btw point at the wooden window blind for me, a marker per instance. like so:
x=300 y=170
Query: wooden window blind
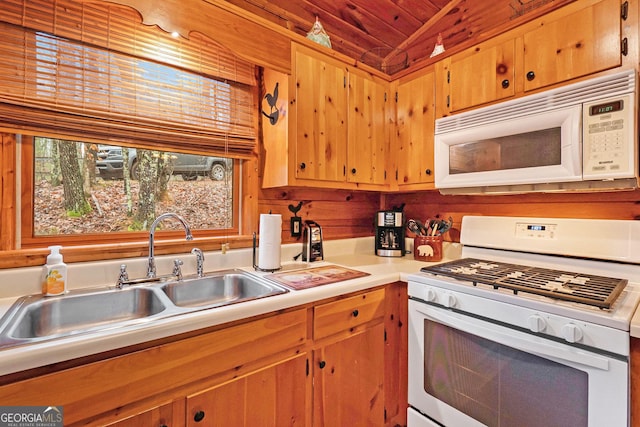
x=94 y=71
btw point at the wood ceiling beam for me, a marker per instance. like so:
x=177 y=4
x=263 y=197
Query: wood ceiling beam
x=426 y=26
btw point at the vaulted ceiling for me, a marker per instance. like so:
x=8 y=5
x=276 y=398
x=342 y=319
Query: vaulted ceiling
x=393 y=34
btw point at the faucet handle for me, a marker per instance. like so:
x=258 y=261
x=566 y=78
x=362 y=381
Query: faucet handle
x=177 y=271
x=123 y=277
x=199 y=261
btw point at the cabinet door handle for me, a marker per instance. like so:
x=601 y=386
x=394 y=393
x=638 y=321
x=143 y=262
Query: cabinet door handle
x=353 y=170
x=199 y=416
x=531 y=75
x=322 y=364
x=303 y=165
x=505 y=84
x=427 y=172
x=355 y=312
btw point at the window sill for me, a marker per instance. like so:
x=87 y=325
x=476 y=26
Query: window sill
x=101 y=252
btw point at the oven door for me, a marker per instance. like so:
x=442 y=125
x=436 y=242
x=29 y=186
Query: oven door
x=465 y=371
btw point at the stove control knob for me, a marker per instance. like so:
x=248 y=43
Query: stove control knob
x=449 y=301
x=431 y=295
x=537 y=323
x=571 y=333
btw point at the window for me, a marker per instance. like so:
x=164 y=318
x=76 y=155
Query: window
x=110 y=184
x=158 y=125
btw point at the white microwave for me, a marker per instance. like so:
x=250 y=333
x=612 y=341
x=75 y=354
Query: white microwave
x=577 y=137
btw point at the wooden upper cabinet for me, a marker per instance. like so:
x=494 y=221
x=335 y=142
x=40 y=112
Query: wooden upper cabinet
x=331 y=129
x=575 y=45
x=321 y=117
x=368 y=134
x=415 y=130
x=575 y=41
x=482 y=74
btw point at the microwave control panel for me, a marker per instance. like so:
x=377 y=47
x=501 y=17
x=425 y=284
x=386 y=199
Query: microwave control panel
x=608 y=129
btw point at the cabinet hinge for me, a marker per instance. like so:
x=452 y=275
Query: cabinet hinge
x=448 y=76
x=396 y=97
x=396 y=174
x=385 y=335
x=385 y=97
x=307 y=368
x=624 y=10
x=448 y=101
x=385 y=175
x=344 y=170
x=624 y=46
x=344 y=81
x=385 y=415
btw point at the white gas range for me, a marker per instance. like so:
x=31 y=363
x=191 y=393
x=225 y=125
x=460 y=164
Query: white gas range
x=535 y=307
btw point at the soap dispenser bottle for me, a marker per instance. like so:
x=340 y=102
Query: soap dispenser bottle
x=54 y=275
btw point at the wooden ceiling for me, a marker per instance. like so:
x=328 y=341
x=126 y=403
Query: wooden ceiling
x=394 y=34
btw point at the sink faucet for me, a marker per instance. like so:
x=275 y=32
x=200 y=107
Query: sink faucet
x=151 y=267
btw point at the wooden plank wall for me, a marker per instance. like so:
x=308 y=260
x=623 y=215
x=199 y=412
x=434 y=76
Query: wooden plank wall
x=340 y=213
x=345 y=214
x=429 y=204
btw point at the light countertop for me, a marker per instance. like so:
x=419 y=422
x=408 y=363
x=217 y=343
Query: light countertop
x=352 y=253
x=635 y=324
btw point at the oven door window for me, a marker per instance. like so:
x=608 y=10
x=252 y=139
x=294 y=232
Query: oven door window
x=498 y=385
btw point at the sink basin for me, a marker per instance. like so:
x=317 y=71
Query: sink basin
x=36 y=318
x=40 y=317
x=223 y=289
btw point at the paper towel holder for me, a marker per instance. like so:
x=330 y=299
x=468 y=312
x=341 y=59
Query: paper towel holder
x=255 y=264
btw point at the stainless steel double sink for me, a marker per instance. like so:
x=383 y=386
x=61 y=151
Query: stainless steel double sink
x=36 y=318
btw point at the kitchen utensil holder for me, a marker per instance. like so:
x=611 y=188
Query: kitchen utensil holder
x=427 y=248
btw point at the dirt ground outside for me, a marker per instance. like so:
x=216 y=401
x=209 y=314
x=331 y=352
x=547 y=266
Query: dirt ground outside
x=204 y=203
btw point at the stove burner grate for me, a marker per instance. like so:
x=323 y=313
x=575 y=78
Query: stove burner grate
x=583 y=288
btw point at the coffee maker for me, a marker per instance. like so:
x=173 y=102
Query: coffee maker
x=312 y=242
x=390 y=233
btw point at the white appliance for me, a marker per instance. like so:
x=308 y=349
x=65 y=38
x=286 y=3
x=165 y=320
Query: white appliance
x=577 y=137
x=530 y=327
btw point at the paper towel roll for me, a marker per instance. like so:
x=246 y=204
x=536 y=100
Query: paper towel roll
x=270 y=240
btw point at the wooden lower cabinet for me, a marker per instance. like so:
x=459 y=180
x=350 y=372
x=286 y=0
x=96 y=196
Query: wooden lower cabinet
x=338 y=362
x=167 y=415
x=635 y=381
x=271 y=397
x=348 y=380
x=349 y=360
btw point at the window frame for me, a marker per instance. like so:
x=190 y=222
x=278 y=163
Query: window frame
x=28 y=240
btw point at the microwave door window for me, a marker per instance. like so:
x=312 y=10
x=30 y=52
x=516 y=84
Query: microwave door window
x=521 y=151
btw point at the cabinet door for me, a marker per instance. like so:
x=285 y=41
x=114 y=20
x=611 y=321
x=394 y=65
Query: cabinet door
x=321 y=118
x=368 y=135
x=274 y=396
x=576 y=45
x=162 y=416
x=347 y=381
x=415 y=127
x=481 y=75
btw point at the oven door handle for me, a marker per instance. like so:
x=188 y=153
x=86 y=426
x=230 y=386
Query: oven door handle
x=518 y=340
